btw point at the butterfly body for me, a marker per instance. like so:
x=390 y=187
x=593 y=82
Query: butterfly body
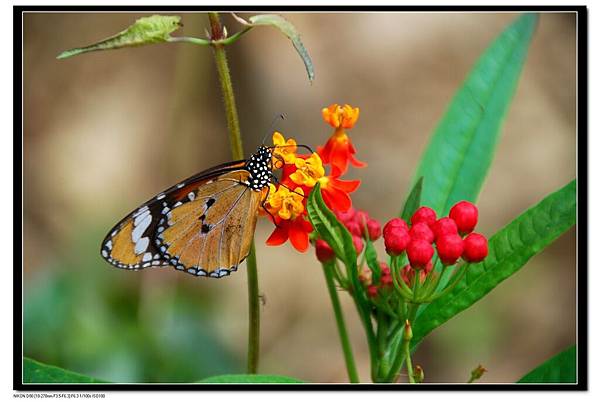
x=203 y=226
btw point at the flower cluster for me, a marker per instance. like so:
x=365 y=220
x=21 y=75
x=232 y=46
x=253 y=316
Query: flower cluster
x=286 y=201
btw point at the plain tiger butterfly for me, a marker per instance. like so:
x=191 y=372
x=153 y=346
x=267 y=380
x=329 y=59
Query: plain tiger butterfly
x=203 y=226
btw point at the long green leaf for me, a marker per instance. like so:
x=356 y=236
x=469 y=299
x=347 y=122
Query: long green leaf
x=509 y=250
x=40 y=373
x=413 y=201
x=329 y=228
x=144 y=31
x=461 y=149
x=286 y=28
x=250 y=379
x=558 y=369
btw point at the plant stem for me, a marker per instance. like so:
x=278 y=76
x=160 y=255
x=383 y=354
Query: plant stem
x=409 y=367
x=237 y=151
x=339 y=318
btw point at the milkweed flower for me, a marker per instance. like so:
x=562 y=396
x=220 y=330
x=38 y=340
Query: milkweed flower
x=339 y=150
x=286 y=150
x=336 y=192
x=287 y=210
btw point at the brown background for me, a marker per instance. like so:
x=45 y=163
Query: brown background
x=105 y=131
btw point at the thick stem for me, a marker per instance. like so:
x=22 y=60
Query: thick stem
x=237 y=151
x=339 y=318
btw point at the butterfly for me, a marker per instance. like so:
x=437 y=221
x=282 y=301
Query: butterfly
x=203 y=226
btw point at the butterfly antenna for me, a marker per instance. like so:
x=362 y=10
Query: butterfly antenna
x=272 y=126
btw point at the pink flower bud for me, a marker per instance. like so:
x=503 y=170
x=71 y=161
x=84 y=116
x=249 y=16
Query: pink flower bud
x=396 y=222
x=450 y=248
x=354 y=228
x=444 y=226
x=421 y=231
x=396 y=240
x=419 y=253
x=475 y=248
x=373 y=229
x=358 y=244
x=372 y=291
x=425 y=215
x=324 y=251
x=465 y=215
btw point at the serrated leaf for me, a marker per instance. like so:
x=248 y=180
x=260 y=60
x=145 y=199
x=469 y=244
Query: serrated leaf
x=250 y=379
x=413 y=201
x=458 y=157
x=558 y=369
x=144 y=31
x=286 y=28
x=40 y=373
x=509 y=251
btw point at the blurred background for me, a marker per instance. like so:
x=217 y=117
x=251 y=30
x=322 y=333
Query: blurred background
x=106 y=131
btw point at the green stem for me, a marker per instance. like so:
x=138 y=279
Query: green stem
x=409 y=367
x=341 y=326
x=237 y=151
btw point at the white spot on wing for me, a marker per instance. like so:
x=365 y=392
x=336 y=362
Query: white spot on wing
x=160 y=196
x=109 y=244
x=147 y=256
x=104 y=253
x=140 y=227
x=141 y=245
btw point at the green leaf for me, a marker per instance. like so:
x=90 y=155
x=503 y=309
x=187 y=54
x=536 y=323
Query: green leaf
x=144 y=31
x=372 y=261
x=509 y=250
x=286 y=28
x=413 y=201
x=461 y=149
x=36 y=372
x=558 y=369
x=329 y=228
x=250 y=379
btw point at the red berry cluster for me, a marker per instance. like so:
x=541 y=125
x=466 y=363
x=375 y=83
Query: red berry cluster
x=452 y=236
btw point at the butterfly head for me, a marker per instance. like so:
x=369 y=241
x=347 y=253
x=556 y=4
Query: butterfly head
x=259 y=167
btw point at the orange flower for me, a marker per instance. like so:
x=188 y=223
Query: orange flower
x=340 y=116
x=339 y=149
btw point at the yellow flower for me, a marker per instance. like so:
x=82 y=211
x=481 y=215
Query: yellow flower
x=286 y=203
x=308 y=171
x=284 y=150
x=340 y=116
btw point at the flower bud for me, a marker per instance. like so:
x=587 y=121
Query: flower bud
x=365 y=276
x=419 y=374
x=421 y=231
x=444 y=226
x=345 y=216
x=361 y=218
x=449 y=247
x=372 y=291
x=419 y=253
x=396 y=222
x=324 y=251
x=475 y=248
x=408 y=334
x=373 y=230
x=396 y=240
x=425 y=215
x=386 y=280
x=465 y=215
x=358 y=244
x=385 y=269
x=354 y=228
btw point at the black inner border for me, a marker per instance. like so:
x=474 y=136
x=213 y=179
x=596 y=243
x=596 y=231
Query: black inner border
x=582 y=197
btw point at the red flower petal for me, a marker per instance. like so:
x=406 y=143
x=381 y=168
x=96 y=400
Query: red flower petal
x=279 y=236
x=336 y=199
x=346 y=186
x=298 y=237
